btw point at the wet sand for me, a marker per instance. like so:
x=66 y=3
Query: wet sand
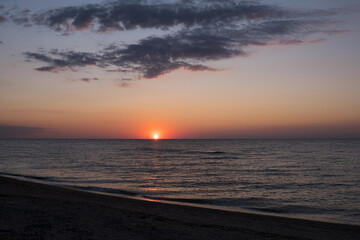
x=37 y=211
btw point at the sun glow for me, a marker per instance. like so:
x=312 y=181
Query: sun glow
x=156 y=136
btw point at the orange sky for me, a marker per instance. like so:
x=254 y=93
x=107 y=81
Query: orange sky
x=308 y=89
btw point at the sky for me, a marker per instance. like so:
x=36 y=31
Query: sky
x=182 y=69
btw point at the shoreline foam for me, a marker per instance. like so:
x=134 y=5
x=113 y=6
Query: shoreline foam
x=34 y=211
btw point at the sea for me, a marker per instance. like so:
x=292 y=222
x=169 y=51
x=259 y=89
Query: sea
x=309 y=178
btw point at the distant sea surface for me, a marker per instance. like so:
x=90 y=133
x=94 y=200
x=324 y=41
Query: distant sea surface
x=316 y=179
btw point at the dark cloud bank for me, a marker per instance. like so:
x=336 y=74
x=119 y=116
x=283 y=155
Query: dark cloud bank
x=7 y=131
x=209 y=30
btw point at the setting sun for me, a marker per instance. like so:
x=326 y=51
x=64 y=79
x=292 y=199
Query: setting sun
x=156 y=136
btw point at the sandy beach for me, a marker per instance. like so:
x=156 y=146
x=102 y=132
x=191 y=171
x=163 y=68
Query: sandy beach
x=38 y=211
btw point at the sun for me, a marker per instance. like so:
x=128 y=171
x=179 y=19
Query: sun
x=156 y=136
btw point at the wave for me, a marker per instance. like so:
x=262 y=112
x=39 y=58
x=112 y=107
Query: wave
x=219 y=158
x=29 y=176
x=164 y=150
x=174 y=150
x=214 y=152
x=295 y=209
x=183 y=200
x=106 y=190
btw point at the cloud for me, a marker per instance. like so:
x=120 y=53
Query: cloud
x=86 y=79
x=2 y=19
x=209 y=30
x=127 y=15
x=70 y=60
x=7 y=131
x=188 y=49
x=346 y=130
x=25 y=11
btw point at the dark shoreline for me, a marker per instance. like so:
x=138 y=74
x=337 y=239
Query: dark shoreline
x=198 y=203
x=36 y=211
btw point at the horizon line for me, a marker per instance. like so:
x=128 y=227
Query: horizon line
x=265 y=138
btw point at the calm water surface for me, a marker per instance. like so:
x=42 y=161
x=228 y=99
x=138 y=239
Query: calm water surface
x=305 y=178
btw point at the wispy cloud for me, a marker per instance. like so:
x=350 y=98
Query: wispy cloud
x=209 y=30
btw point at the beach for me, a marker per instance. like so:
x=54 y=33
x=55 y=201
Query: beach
x=39 y=211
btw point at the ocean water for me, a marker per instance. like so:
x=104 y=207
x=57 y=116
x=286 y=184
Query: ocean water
x=317 y=179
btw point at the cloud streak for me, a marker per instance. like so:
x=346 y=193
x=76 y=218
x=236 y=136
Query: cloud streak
x=209 y=30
